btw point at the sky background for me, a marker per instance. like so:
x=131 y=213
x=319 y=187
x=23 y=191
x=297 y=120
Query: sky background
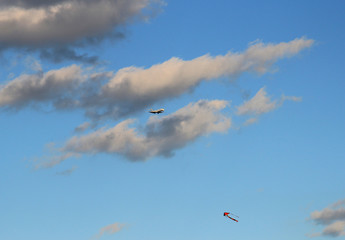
x=264 y=139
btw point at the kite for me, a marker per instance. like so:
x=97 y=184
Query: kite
x=226 y=214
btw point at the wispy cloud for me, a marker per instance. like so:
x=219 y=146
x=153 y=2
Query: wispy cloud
x=52 y=160
x=133 y=89
x=161 y=136
x=82 y=127
x=110 y=229
x=251 y=121
x=332 y=217
x=59 y=54
x=338 y=204
x=260 y=104
x=67 y=172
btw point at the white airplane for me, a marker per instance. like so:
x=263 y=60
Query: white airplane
x=156 y=111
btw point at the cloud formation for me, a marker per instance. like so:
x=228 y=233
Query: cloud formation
x=176 y=76
x=328 y=215
x=29 y=3
x=110 y=229
x=133 y=89
x=260 y=104
x=63 y=88
x=67 y=172
x=161 y=136
x=82 y=127
x=59 y=54
x=40 y=87
x=41 y=24
x=37 y=23
x=335 y=229
x=333 y=218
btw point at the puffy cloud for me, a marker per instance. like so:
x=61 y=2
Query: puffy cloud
x=34 y=23
x=40 y=87
x=333 y=218
x=175 y=76
x=133 y=89
x=161 y=136
x=64 y=88
x=30 y=3
x=335 y=229
x=328 y=215
x=57 y=27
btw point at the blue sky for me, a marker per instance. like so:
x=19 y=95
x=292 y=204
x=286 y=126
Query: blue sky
x=253 y=124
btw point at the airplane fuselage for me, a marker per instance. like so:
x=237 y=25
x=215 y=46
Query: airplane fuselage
x=157 y=111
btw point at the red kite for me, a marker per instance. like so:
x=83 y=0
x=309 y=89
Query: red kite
x=226 y=214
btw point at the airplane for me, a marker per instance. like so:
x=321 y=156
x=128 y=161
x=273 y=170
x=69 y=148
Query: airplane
x=156 y=111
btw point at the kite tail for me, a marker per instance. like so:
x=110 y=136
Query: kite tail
x=233 y=219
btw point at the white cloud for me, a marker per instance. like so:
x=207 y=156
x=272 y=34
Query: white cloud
x=133 y=89
x=136 y=88
x=335 y=229
x=161 y=136
x=59 y=29
x=333 y=218
x=176 y=76
x=40 y=87
x=258 y=105
x=328 y=215
x=25 y=23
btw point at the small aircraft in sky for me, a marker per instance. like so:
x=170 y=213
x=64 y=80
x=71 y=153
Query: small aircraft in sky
x=157 y=111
